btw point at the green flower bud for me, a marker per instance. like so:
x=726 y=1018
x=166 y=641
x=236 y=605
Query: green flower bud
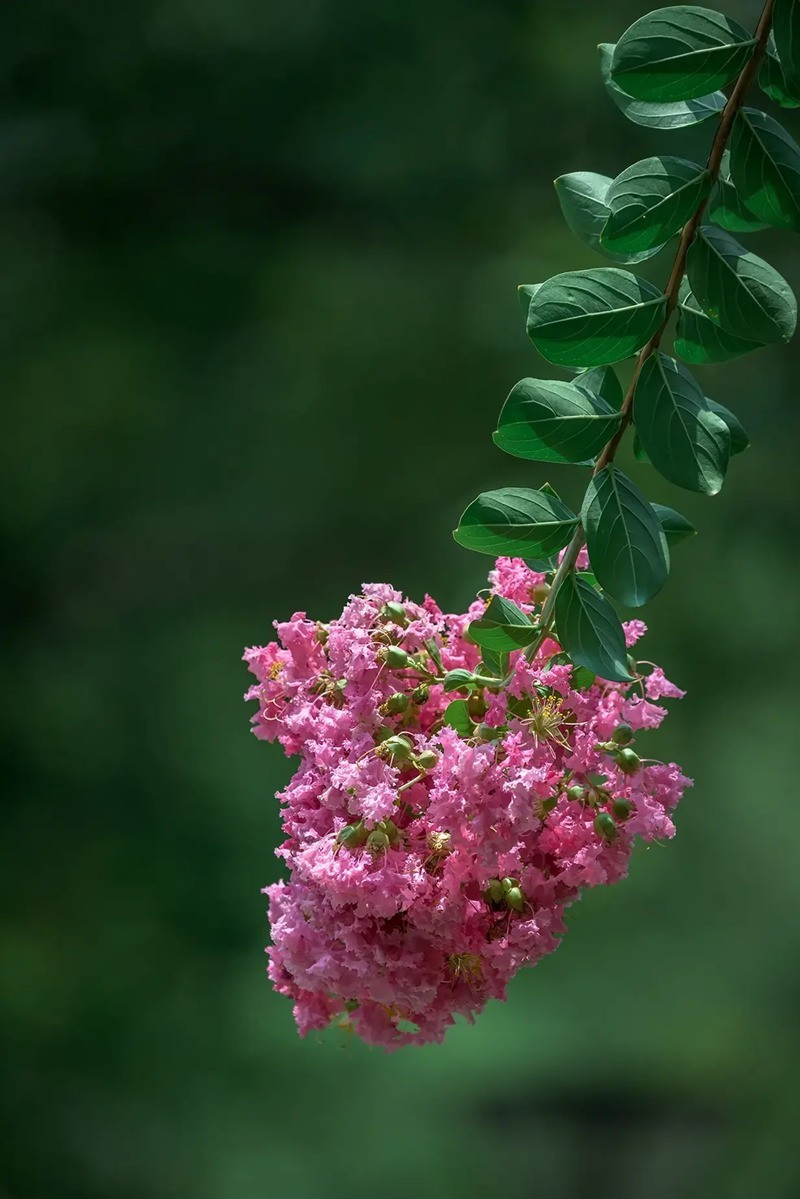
x=396 y=749
x=383 y=734
x=350 y=1005
x=378 y=842
x=540 y=592
x=395 y=704
x=515 y=899
x=623 y=734
x=494 y=892
x=604 y=826
x=508 y=884
x=576 y=793
x=628 y=761
x=352 y=836
x=321 y=633
x=421 y=694
x=390 y=828
x=477 y=706
x=427 y=760
x=396 y=613
x=622 y=808
x=395 y=657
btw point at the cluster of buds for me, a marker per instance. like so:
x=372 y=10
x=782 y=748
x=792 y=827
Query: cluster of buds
x=444 y=813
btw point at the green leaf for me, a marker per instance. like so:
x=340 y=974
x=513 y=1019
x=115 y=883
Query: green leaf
x=786 y=30
x=458 y=680
x=676 y=527
x=516 y=521
x=773 y=79
x=739 y=438
x=590 y=631
x=503 y=627
x=739 y=290
x=765 y=167
x=525 y=293
x=547 y=420
x=602 y=381
x=494 y=662
x=582 y=678
x=594 y=317
x=457 y=716
x=626 y=544
x=685 y=441
x=727 y=208
x=651 y=201
x=639 y=452
x=581 y=195
x=679 y=53
x=699 y=340
x=676 y=115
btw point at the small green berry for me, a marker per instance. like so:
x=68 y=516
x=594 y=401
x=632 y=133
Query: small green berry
x=378 y=842
x=540 y=592
x=604 y=826
x=622 y=808
x=577 y=793
x=508 y=884
x=395 y=657
x=494 y=892
x=421 y=694
x=515 y=899
x=396 y=749
x=477 y=706
x=395 y=704
x=427 y=760
x=396 y=613
x=628 y=761
x=623 y=734
x=352 y=836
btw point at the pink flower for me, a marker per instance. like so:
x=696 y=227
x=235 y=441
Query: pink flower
x=428 y=863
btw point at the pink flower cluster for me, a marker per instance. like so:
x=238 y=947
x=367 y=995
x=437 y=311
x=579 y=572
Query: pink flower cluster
x=429 y=862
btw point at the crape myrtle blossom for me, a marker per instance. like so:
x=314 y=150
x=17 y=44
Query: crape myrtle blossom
x=435 y=834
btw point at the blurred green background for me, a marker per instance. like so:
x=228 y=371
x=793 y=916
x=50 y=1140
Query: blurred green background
x=259 y=264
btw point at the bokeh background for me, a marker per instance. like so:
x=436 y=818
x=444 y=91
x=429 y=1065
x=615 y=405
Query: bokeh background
x=258 y=278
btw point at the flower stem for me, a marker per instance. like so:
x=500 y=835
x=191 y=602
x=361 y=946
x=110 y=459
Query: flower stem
x=729 y=113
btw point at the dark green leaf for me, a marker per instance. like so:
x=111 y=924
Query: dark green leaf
x=773 y=79
x=651 y=201
x=727 y=208
x=765 y=167
x=594 y=317
x=457 y=716
x=581 y=195
x=739 y=290
x=516 y=521
x=547 y=420
x=786 y=28
x=639 y=452
x=679 y=53
x=582 y=678
x=494 y=662
x=503 y=627
x=699 y=340
x=602 y=381
x=686 y=442
x=459 y=680
x=626 y=544
x=525 y=293
x=676 y=527
x=676 y=115
x=739 y=439
x=590 y=631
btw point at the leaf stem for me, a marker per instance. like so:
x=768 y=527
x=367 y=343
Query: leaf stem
x=729 y=114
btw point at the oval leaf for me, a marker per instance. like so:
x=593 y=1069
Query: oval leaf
x=651 y=201
x=590 y=631
x=686 y=442
x=676 y=115
x=602 y=381
x=699 y=340
x=739 y=438
x=581 y=195
x=589 y=318
x=765 y=167
x=626 y=544
x=457 y=716
x=676 y=527
x=739 y=290
x=727 y=208
x=503 y=627
x=546 y=420
x=516 y=521
x=786 y=30
x=680 y=52
x=773 y=79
